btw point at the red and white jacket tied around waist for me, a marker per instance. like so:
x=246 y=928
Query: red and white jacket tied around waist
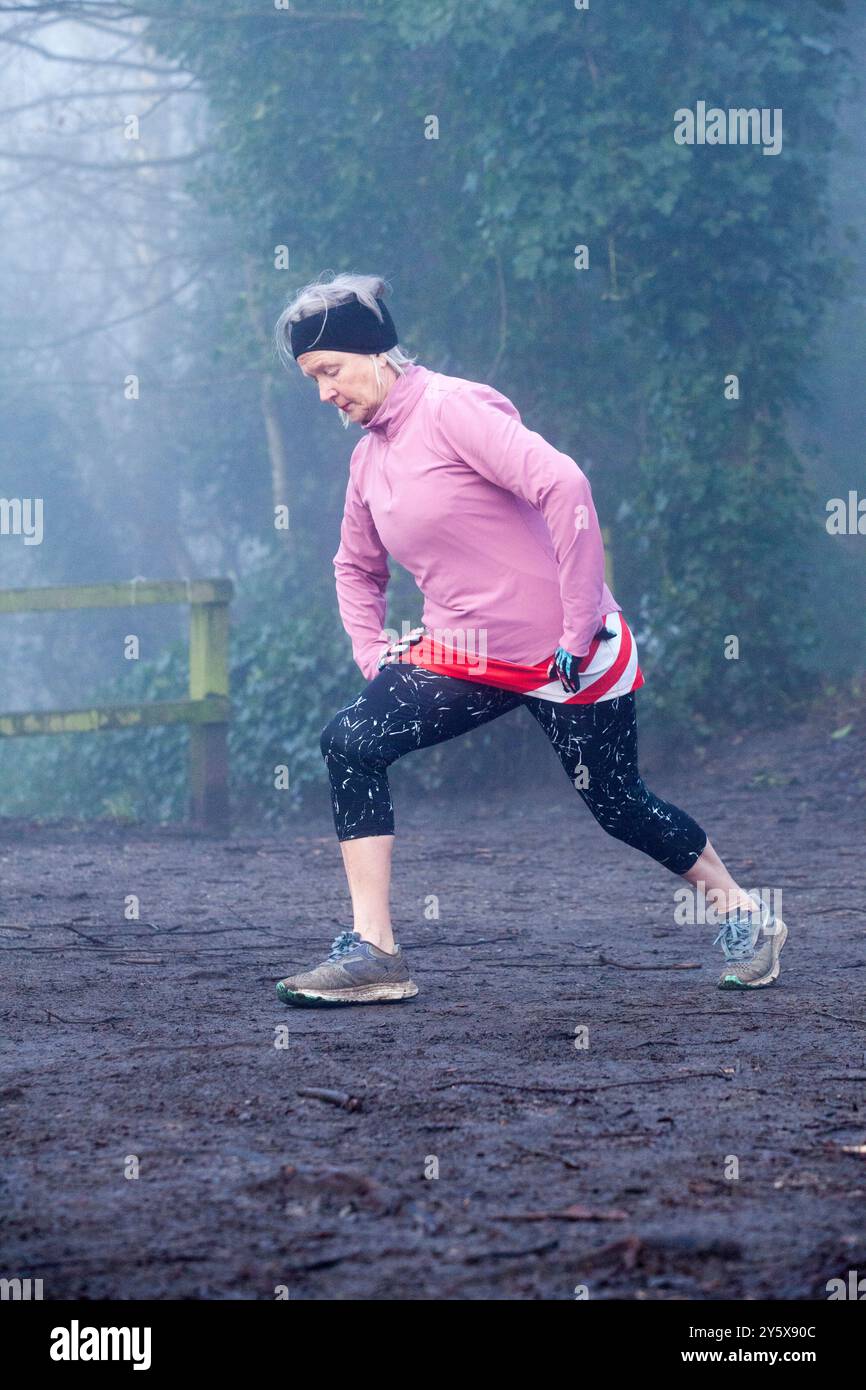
x=499 y=531
x=610 y=668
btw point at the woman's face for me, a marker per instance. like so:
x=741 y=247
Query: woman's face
x=347 y=380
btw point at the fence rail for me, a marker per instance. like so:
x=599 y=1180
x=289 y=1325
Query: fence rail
x=208 y=709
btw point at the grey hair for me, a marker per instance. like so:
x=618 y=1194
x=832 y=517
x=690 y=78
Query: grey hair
x=327 y=294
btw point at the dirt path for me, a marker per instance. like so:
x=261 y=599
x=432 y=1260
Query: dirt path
x=156 y=1039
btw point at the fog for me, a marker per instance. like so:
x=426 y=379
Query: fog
x=147 y=427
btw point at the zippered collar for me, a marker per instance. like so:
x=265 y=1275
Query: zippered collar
x=399 y=403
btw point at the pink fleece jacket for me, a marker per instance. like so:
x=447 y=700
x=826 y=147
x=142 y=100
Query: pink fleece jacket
x=496 y=526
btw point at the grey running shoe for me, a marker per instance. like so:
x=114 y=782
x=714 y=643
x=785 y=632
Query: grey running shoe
x=356 y=972
x=752 y=943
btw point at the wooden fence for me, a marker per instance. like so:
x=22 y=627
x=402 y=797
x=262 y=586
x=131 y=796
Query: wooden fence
x=207 y=710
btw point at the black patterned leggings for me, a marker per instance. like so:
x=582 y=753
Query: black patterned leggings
x=405 y=707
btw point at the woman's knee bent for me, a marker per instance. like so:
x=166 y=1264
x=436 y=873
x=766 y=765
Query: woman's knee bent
x=634 y=815
x=350 y=741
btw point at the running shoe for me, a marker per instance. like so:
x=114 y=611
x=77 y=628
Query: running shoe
x=752 y=943
x=355 y=972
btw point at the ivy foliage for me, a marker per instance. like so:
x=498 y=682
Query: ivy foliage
x=555 y=130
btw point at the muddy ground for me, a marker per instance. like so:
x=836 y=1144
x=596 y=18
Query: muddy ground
x=153 y=1042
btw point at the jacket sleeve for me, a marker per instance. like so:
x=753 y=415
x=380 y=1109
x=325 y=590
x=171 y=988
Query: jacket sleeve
x=362 y=574
x=483 y=427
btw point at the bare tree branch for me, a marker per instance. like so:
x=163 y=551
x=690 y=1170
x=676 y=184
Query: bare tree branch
x=123 y=165
x=7 y=189
x=79 y=9
x=101 y=325
x=86 y=62
x=67 y=97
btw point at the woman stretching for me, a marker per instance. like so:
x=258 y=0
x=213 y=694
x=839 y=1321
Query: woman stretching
x=500 y=532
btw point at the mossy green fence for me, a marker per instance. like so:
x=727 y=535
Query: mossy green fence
x=207 y=710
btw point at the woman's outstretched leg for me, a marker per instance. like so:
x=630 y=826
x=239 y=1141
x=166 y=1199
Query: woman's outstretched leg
x=597 y=746
x=710 y=874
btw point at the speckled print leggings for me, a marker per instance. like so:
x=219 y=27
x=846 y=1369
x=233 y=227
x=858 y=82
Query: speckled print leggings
x=405 y=707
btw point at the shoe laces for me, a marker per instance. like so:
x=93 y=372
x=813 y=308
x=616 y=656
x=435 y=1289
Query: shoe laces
x=342 y=944
x=736 y=935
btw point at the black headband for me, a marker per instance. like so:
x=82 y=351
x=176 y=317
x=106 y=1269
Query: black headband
x=349 y=327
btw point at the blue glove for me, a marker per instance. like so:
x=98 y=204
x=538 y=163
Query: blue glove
x=565 y=665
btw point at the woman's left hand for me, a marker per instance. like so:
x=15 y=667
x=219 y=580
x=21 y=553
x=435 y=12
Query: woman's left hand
x=565 y=666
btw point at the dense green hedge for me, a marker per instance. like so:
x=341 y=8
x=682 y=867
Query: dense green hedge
x=556 y=130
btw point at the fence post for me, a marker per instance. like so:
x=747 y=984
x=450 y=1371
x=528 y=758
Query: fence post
x=208 y=745
x=608 y=557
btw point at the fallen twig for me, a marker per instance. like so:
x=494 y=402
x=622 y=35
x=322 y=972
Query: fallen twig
x=324 y=1262
x=621 y=965
x=194 y=1047
x=340 y=1098
x=575 y=1212
x=112 y=1018
x=478 y=1256
x=580 y=1090
x=544 y=1153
